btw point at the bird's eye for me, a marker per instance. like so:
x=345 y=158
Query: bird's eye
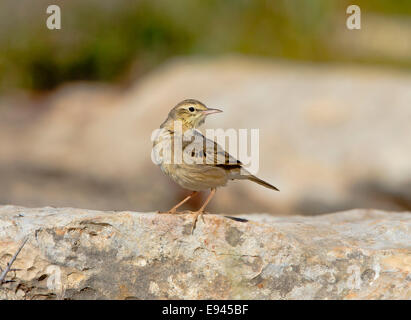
x=191 y=109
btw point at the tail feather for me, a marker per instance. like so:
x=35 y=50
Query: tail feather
x=261 y=182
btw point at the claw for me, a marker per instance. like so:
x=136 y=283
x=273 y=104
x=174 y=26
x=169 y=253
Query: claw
x=196 y=215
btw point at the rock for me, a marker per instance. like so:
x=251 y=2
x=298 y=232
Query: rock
x=84 y=254
x=324 y=131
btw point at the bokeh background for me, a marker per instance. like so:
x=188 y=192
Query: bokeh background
x=78 y=105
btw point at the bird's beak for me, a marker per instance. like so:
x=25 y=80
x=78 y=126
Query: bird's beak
x=211 y=111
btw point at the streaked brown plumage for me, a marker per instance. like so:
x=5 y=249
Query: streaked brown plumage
x=205 y=164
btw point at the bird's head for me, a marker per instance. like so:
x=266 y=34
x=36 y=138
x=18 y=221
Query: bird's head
x=190 y=112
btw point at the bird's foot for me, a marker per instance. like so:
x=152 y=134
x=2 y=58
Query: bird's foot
x=196 y=215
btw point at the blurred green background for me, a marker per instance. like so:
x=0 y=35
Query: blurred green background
x=113 y=40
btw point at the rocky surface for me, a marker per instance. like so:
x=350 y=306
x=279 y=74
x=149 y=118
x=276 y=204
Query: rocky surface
x=332 y=138
x=83 y=254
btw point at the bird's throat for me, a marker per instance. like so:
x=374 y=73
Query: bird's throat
x=179 y=125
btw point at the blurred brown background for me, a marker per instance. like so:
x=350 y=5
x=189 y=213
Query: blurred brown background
x=78 y=105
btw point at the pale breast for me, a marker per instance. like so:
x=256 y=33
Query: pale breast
x=196 y=177
x=187 y=170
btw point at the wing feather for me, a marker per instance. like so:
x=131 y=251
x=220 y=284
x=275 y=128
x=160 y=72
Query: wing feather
x=202 y=150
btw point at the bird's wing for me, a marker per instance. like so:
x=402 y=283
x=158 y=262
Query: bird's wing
x=208 y=152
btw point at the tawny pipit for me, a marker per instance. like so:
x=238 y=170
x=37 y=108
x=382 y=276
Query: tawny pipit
x=203 y=164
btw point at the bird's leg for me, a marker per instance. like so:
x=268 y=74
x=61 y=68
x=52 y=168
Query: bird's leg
x=200 y=212
x=174 y=209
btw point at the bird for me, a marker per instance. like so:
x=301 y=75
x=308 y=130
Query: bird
x=203 y=164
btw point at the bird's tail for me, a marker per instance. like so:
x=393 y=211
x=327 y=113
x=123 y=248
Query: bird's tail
x=261 y=182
